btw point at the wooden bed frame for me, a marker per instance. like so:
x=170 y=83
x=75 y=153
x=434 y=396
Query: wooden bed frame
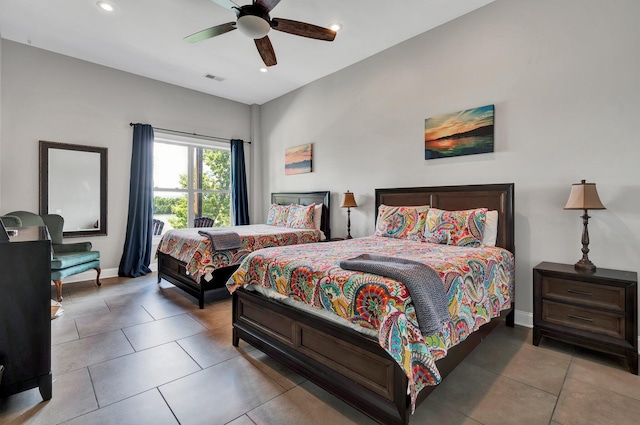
x=174 y=271
x=344 y=362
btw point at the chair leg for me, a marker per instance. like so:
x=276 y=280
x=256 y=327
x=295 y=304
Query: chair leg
x=58 y=289
x=98 y=277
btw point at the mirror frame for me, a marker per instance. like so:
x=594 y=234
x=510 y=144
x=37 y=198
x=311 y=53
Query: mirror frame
x=44 y=184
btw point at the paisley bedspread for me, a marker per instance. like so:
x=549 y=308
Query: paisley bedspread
x=478 y=283
x=195 y=250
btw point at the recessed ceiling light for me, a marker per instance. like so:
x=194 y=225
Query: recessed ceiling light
x=263 y=69
x=108 y=7
x=336 y=26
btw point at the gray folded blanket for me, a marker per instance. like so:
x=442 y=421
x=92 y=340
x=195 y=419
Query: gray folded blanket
x=424 y=285
x=222 y=240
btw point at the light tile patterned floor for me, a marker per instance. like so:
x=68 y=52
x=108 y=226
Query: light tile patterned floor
x=135 y=352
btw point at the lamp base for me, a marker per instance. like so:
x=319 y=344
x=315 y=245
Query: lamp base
x=585 y=266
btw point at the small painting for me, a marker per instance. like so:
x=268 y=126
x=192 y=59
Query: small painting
x=460 y=133
x=297 y=160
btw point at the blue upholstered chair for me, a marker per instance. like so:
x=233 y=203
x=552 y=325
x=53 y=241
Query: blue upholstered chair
x=67 y=259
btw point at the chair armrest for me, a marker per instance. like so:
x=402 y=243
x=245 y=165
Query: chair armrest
x=72 y=247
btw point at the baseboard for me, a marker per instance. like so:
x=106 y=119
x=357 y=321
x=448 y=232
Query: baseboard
x=104 y=273
x=523 y=318
x=90 y=275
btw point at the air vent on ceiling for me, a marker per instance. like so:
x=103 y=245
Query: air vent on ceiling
x=214 y=77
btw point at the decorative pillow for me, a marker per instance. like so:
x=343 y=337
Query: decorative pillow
x=401 y=222
x=460 y=228
x=301 y=217
x=278 y=215
x=317 y=216
x=490 y=233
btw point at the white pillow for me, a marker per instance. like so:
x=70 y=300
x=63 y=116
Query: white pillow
x=317 y=216
x=490 y=232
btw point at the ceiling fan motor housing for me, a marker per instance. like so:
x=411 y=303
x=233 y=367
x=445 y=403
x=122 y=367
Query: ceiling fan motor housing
x=254 y=21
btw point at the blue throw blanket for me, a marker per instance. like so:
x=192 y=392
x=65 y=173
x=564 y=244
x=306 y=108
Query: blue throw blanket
x=424 y=285
x=222 y=240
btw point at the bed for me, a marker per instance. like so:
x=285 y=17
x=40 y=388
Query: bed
x=351 y=364
x=199 y=271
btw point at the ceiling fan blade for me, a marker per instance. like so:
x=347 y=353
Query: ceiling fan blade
x=266 y=51
x=303 y=29
x=268 y=4
x=211 y=32
x=227 y=4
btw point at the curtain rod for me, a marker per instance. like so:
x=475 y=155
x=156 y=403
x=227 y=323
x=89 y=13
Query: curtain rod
x=191 y=134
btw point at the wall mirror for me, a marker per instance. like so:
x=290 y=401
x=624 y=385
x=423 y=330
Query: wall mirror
x=73 y=184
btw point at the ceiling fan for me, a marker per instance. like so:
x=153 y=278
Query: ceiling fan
x=255 y=22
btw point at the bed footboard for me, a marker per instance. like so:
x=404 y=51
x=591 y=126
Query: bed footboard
x=351 y=366
x=174 y=271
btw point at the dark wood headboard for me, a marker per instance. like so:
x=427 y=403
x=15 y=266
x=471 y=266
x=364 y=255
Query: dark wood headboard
x=308 y=198
x=492 y=196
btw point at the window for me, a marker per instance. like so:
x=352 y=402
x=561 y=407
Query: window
x=191 y=179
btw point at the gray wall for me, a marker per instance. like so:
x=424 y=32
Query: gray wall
x=563 y=76
x=46 y=96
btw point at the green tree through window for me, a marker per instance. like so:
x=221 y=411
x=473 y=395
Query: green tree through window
x=210 y=190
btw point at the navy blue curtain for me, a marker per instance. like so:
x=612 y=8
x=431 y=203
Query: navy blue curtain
x=239 y=196
x=137 y=246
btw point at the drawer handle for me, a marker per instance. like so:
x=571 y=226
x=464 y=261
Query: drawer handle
x=586 y=319
x=574 y=291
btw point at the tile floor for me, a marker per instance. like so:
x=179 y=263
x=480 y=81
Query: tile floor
x=135 y=352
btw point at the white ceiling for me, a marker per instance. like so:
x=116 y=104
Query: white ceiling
x=145 y=37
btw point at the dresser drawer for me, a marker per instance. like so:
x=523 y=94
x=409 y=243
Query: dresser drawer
x=583 y=293
x=600 y=322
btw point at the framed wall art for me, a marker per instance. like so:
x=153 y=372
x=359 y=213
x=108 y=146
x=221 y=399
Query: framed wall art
x=298 y=159
x=460 y=133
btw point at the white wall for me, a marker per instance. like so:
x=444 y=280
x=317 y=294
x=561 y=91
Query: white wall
x=46 y=96
x=564 y=80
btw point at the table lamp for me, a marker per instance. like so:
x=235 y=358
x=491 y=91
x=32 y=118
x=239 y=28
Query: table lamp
x=349 y=202
x=584 y=196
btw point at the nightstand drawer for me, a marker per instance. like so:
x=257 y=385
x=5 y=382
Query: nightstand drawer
x=600 y=322
x=584 y=293
x=596 y=310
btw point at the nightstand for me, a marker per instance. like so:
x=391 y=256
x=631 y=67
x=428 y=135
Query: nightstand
x=594 y=310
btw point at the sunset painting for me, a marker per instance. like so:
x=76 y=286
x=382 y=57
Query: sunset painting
x=460 y=133
x=297 y=160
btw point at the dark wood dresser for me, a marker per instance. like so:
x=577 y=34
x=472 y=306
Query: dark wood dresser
x=25 y=312
x=594 y=310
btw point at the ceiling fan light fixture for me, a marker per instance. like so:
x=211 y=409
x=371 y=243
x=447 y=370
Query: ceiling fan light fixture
x=336 y=26
x=253 y=26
